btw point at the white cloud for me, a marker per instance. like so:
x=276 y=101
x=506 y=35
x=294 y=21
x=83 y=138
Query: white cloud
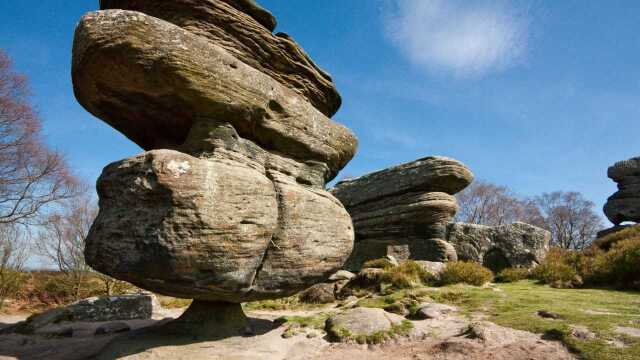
x=457 y=37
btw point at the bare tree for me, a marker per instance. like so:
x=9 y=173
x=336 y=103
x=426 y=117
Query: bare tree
x=14 y=253
x=61 y=239
x=570 y=218
x=488 y=204
x=31 y=175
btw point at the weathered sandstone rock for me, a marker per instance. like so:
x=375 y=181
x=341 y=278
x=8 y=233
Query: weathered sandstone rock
x=227 y=205
x=225 y=24
x=430 y=174
x=361 y=322
x=403 y=211
x=624 y=205
x=188 y=231
x=95 y=309
x=153 y=80
x=498 y=247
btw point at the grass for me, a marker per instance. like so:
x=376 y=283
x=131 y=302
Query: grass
x=516 y=305
x=377 y=337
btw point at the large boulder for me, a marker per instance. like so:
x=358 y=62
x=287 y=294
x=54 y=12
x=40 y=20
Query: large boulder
x=228 y=203
x=95 y=309
x=624 y=205
x=403 y=211
x=499 y=247
x=237 y=28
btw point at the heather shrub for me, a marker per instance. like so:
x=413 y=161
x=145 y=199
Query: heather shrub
x=558 y=269
x=620 y=266
x=513 y=274
x=470 y=273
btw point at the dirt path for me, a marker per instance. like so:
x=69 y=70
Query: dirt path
x=448 y=338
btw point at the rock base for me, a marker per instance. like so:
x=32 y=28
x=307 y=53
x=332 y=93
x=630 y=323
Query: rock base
x=202 y=321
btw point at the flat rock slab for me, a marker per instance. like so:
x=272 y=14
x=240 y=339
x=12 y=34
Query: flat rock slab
x=430 y=174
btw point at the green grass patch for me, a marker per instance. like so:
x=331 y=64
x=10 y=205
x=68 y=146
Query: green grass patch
x=516 y=304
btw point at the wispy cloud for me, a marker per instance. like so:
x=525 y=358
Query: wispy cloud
x=461 y=38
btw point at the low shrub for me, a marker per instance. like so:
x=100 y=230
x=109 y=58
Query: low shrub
x=620 y=266
x=558 y=269
x=462 y=272
x=606 y=242
x=513 y=274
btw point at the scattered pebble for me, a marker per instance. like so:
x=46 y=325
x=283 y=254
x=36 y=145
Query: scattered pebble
x=549 y=315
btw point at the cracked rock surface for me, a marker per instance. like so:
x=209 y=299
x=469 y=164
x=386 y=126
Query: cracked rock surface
x=227 y=204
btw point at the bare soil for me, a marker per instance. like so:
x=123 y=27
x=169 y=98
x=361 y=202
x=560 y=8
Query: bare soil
x=447 y=338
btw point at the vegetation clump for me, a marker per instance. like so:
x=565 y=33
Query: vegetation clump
x=619 y=266
x=462 y=272
x=513 y=274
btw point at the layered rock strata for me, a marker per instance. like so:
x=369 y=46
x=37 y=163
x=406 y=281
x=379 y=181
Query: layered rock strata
x=404 y=210
x=624 y=205
x=499 y=247
x=227 y=204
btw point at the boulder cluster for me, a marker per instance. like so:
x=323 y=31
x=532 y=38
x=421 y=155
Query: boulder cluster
x=624 y=205
x=500 y=247
x=403 y=211
x=227 y=203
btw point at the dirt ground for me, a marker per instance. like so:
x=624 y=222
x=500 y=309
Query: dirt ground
x=448 y=338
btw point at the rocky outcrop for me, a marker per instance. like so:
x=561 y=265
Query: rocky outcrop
x=624 y=205
x=499 y=247
x=227 y=204
x=403 y=211
x=95 y=309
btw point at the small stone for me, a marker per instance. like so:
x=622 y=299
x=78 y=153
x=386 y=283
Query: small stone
x=549 y=315
x=434 y=311
x=322 y=293
x=582 y=333
x=397 y=308
x=342 y=275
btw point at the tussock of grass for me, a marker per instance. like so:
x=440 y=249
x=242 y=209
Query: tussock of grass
x=377 y=264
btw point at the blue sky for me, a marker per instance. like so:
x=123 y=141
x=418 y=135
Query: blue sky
x=536 y=95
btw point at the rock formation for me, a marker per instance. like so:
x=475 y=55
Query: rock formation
x=624 y=205
x=404 y=210
x=227 y=204
x=499 y=247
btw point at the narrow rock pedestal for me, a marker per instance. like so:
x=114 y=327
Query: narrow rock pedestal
x=203 y=321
